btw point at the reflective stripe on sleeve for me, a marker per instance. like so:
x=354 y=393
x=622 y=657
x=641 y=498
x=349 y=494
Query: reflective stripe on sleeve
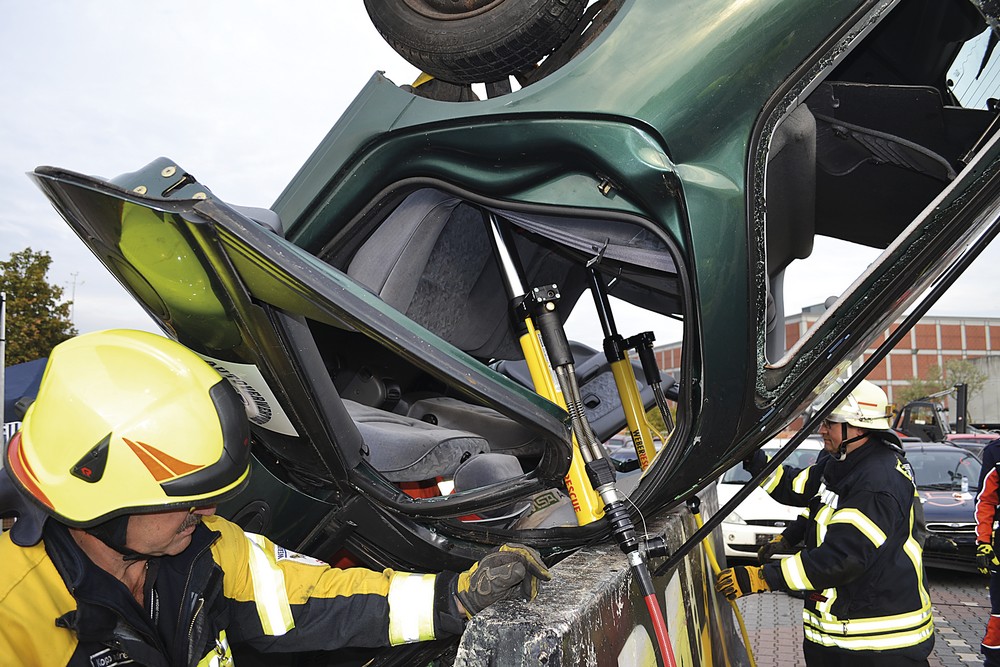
x=799 y=483
x=822 y=521
x=411 y=607
x=771 y=483
x=795 y=574
x=855 y=517
x=269 y=589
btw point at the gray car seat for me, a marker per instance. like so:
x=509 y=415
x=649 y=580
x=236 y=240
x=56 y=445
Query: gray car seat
x=404 y=449
x=504 y=435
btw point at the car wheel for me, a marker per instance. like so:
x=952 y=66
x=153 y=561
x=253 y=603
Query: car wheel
x=474 y=41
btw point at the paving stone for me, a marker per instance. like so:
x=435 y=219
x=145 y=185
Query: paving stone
x=960 y=604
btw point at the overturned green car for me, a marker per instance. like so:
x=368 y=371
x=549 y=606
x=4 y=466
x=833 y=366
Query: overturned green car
x=679 y=157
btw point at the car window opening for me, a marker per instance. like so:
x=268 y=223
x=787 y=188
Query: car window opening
x=435 y=258
x=856 y=162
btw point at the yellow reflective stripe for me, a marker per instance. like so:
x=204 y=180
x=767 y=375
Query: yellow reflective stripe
x=269 y=589
x=795 y=574
x=913 y=551
x=411 y=607
x=823 y=516
x=220 y=656
x=855 y=517
x=880 y=642
x=799 y=483
x=771 y=483
x=857 y=626
x=825 y=606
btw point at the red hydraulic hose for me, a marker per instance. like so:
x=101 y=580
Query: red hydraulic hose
x=645 y=582
x=660 y=630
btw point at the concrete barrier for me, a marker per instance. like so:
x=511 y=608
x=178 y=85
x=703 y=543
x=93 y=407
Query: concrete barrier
x=591 y=613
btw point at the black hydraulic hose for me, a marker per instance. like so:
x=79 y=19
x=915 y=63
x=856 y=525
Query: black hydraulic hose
x=542 y=302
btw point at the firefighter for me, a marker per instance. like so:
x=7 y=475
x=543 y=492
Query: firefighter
x=986 y=536
x=117 y=556
x=866 y=602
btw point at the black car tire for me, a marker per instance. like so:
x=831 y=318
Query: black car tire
x=485 y=44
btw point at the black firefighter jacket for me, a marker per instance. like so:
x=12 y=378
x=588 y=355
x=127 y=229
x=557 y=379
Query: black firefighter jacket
x=862 y=558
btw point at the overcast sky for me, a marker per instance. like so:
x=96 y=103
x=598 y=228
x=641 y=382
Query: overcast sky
x=237 y=92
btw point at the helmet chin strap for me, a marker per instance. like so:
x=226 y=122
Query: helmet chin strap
x=113 y=533
x=845 y=441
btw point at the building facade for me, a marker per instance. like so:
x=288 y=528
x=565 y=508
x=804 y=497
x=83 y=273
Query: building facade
x=932 y=342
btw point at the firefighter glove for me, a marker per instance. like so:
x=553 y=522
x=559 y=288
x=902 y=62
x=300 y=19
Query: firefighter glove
x=511 y=572
x=986 y=558
x=777 y=545
x=735 y=582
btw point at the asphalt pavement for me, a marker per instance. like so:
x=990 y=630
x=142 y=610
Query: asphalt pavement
x=960 y=602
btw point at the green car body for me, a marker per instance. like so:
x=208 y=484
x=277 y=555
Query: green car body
x=661 y=129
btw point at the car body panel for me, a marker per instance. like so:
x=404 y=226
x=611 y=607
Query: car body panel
x=682 y=167
x=668 y=146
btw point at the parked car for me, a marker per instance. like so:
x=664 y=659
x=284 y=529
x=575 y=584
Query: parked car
x=973 y=442
x=947 y=479
x=759 y=518
x=679 y=157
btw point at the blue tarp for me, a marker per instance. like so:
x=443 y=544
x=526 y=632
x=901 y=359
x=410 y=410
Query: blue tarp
x=20 y=380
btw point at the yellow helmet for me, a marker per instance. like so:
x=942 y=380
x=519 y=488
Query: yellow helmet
x=129 y=422
x=865 y=407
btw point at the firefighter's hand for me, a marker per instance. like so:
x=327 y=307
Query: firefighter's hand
x=777 y=545
x=735 y=582
x=986 y=558
x=511 y=572
x=755 y=462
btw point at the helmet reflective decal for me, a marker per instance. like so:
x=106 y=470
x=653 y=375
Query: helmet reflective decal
x=22 y=472
x=161 y=466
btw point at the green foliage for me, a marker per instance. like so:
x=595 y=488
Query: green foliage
x=922 y=387
x=956 y=371
x=963 y=371
x=36 y=320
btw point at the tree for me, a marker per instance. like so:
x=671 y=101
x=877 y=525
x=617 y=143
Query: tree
x=922 y=387
x=963 y=371
x=36 y=320
x=956 y=371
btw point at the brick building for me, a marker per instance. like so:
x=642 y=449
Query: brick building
x=932 y=342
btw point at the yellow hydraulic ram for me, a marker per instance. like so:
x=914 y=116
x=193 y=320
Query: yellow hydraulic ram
x=587 y=505
x=616 y=351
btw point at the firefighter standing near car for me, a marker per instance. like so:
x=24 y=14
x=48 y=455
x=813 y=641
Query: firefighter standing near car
x=117 y=556
x=862 y=564
x=986 y=536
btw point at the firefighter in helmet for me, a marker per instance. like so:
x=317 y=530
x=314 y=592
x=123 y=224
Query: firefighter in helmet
x=866 y=601
x=117 y=555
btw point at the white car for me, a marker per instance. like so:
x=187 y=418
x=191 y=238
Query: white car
x=759 y=518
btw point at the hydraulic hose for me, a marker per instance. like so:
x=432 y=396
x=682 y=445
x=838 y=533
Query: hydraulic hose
x=600 y=472
x=695 y=506
x=645 y=582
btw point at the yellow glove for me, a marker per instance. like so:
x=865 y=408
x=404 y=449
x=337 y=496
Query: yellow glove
x=510 y=572
x=986 y=558
x=735 y=582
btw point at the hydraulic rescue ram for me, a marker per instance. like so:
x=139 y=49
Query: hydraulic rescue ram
x=541 y=303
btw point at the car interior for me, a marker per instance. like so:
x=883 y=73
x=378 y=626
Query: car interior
x=865 y=151
x=434 y=258
x=857 y=159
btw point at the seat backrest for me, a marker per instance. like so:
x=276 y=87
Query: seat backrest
x=432 y=259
